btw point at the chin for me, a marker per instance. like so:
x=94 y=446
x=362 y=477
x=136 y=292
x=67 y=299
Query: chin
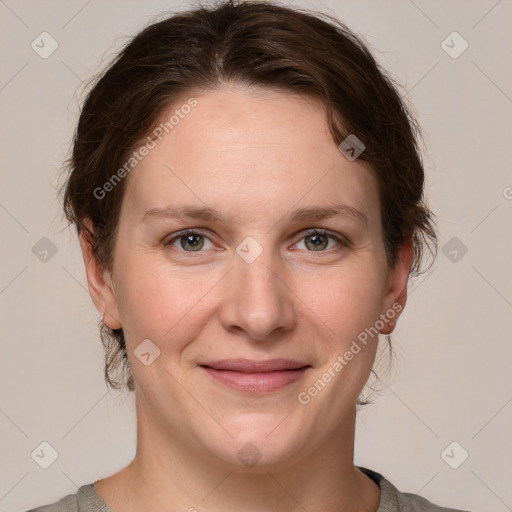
x=257 y=443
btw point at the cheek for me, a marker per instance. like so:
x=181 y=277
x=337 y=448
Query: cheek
x=160 y=303
x=346 y=300
x=170 y=305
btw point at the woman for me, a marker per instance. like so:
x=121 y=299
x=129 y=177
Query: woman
x=248 y=192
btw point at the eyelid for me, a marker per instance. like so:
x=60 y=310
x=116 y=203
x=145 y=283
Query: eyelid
x=184 y=232
x=323 y=231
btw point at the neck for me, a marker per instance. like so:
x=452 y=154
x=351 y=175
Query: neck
x=167 y=474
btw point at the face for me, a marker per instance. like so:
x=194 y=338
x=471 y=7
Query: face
x=248 y=310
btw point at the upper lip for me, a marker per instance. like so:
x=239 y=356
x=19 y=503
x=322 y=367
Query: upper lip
x=250 y=366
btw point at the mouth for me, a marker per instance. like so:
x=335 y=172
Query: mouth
x=256 y=377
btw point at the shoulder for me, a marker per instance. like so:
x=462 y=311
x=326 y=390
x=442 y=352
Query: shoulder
x=84 y=500
x=68 y=503
x=414 y=503
x=393 y=500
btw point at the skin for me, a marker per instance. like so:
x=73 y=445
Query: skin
x=255 y=155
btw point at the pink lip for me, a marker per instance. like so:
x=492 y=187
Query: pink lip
x=256 y=377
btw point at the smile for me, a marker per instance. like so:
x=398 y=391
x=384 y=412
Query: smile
x=256 y=377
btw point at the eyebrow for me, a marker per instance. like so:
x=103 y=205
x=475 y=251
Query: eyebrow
x=181 y=212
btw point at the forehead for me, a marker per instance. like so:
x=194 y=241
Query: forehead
x=241 y=149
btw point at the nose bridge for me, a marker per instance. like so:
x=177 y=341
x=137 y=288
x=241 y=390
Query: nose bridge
x=259 y=276
x=259 y=302
x=254 y=268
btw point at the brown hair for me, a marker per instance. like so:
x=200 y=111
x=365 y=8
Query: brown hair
x=253 y=44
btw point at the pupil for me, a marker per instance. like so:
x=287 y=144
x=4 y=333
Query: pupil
x=318 y=239
x=190 y=241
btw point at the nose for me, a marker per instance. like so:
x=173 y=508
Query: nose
x=259 y=302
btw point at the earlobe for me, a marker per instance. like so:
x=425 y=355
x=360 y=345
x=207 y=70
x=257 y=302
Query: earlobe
x=98 y=281
x=396 y=295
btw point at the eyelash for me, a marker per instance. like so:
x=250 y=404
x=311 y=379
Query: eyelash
x=342 y=240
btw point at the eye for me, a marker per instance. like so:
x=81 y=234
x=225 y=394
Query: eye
x=189 y=241
x=317 y=240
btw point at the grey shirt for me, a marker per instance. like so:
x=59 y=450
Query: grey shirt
x=391 y=500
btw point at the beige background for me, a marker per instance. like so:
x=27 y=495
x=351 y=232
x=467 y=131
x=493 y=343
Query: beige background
x=452 y=378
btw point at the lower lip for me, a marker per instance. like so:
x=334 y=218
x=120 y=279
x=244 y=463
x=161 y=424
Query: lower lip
x=256 y=383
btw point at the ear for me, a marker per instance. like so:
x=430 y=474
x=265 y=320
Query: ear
x=396 y=288
x=99 y=280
